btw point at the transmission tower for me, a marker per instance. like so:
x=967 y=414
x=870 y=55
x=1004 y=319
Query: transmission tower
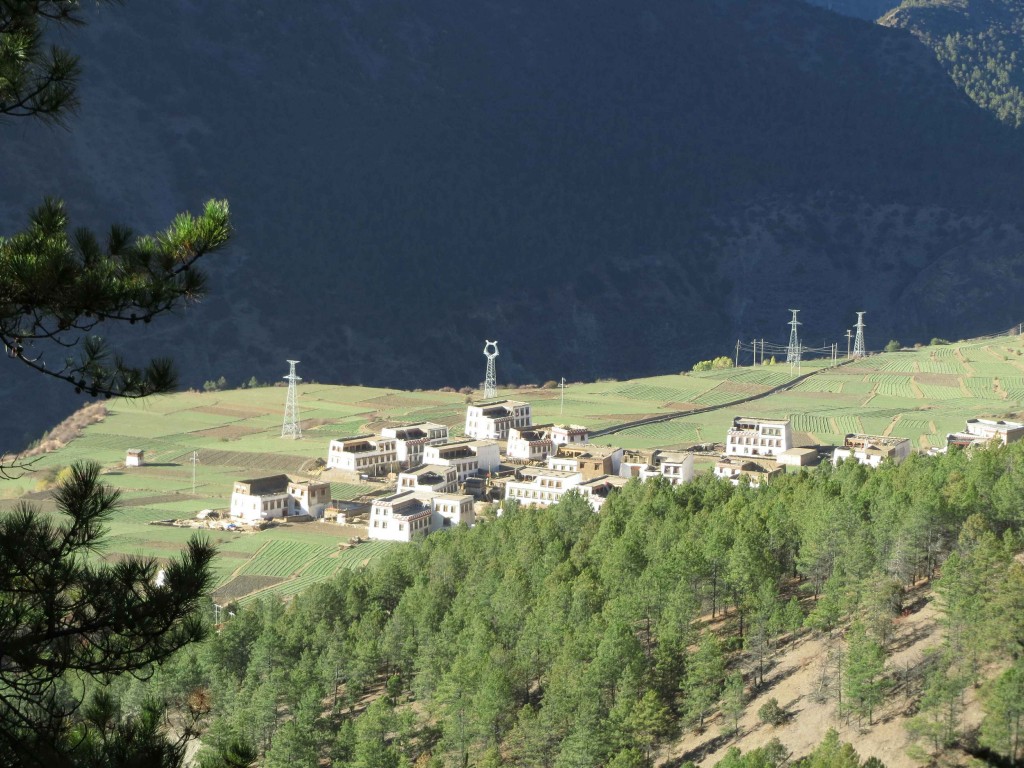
x=290 y=427
x=793 y=351
x=491 y=380
x=858 y=343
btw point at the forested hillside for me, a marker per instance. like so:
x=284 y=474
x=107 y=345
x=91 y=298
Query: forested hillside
x=979 y=42
x=407 y=179
x=557 y=637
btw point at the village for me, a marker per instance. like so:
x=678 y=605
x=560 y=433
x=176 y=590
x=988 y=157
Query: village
x=430 y=481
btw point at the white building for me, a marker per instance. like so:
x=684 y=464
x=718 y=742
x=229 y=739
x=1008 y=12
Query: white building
x=758 y=437
x=266 y=498
x=732 y=469
x=569 y=434
x=492 y=420
x=981 y=432
x=540 y=486
x=675 y=466
x=469 y=457
x=529 y=443
x=410 y=440
x=134 y=457
x=429 y=478
x=403 y=515
x=365 y=454
x=872 y=450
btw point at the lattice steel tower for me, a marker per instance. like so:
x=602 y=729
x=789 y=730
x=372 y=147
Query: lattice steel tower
x=793 y=351
x=491 y=380
x=858 y=343
x=290 y=427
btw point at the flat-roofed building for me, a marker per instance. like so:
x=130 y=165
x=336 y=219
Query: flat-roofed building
x=493 y=419
x=134 y=457
x=429 y=478
x=266 y=498
x=675 y=466
x=980 y=432
x=756 y=437
x=569 y=434
x=872 y=450
x=756 y=472
x=365 y=454
x=589 y=460
x=540 y=486
x=469 y=457
x=403 y=515
x=530 y=443
x=798 y=457
x=410 y=440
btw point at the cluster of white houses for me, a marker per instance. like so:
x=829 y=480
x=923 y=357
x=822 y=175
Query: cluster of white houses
x=542 y=463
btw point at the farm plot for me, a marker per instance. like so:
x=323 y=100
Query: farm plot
x=665 y=433
x=661 y=394
x=251 y=461
x=767 y=376
x=848 y=424
x=893 y=385
x=716 y=396
x=349 y=491
x=285 y=558
x=912 y=427
x=240 y=586
x=806 y=422
x=821 y=383
x=938 y=392
x=952 y=367
x=982 y=387
x=896 y=362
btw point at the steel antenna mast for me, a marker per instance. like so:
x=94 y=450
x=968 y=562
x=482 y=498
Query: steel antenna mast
x=491 y=380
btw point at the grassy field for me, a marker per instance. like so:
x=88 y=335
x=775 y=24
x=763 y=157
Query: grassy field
x=921 y=394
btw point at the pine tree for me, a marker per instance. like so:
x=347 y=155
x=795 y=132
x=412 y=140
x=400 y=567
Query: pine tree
x=63 y=614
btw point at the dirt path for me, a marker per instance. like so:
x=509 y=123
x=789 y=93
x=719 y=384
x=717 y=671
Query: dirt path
x=794 y=682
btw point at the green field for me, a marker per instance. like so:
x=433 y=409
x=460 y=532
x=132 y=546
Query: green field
x=920 y=394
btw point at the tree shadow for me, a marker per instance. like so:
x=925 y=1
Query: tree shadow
x=701 y=751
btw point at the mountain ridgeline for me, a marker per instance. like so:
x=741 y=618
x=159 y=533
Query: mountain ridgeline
x=608 y=190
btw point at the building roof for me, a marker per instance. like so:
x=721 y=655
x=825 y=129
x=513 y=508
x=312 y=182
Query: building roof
x=586 y=451
x=545 y=472
x=758 y=420
x=673 y=457
x=261 y=486
x=874 y=441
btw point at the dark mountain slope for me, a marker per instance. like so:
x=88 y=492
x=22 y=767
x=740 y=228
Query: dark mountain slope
x=598 y=186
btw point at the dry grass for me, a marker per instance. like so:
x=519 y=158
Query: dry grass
x=68 y=429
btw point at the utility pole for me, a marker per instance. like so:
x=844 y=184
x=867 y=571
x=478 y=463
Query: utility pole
x=762 y=351
x=849 y=333
x=561 y=386
x=194 y=460
x=737 y=363
x=754 y=345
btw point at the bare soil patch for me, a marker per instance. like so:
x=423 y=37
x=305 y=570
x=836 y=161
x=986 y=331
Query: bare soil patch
x=938 y=379
x=237 y=411
x=240 y=586
x=795 y=681
x=227 y=432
